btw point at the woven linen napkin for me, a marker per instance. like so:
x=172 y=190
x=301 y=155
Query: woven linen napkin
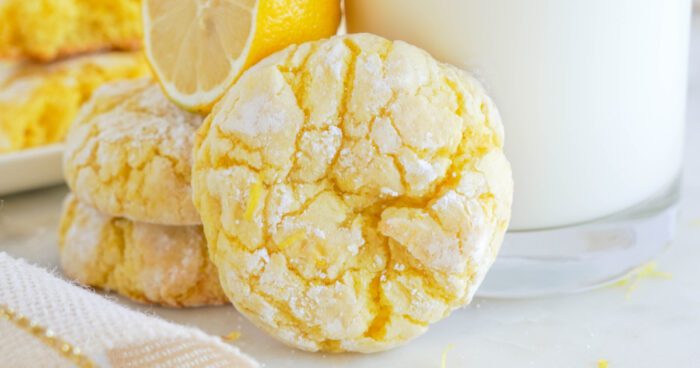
x=49 y=322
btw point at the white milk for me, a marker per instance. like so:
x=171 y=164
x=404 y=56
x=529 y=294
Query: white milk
x=592 y=92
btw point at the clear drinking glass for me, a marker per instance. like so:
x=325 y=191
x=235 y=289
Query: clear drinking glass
x=592 y=95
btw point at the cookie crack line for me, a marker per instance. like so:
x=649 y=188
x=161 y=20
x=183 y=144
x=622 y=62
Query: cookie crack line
x=300 y=92
x=132 y=160
x=376 y=327
x=388 y=249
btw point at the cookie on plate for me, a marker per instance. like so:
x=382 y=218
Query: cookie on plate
x=45 y=30
x=166 y=265
x=129 y=154
x=353 y=191
x=38 y=102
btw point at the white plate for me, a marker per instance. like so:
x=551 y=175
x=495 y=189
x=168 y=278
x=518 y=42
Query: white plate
x=31 y=169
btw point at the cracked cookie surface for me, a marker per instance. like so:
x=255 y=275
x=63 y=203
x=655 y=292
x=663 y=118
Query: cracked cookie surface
x=166 y=265
x=129 y=154
x=353 y=191
x=38 y=102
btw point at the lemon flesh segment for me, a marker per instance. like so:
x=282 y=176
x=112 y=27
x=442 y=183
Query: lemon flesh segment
x=198 y=48
x=194 y=46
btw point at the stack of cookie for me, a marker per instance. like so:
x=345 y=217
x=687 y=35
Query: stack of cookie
x=53 y=54
x=130 y=225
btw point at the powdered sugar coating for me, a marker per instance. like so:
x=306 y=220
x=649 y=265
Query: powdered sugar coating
x=166 y=265
x=129 y=154
x=379 y=201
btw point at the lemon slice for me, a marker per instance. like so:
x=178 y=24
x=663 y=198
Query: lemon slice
x=198 y=48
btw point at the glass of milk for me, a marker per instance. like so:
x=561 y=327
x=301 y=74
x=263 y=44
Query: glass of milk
x=592 y=95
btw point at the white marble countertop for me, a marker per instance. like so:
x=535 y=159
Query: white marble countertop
x=651 y=322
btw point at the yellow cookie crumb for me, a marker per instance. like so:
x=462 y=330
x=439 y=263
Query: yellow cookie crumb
x=148 y=263
x=47 y=29
x=602 y=363
x=232 y=336
x=385 y=192
x=129 y=154
x=39 y=102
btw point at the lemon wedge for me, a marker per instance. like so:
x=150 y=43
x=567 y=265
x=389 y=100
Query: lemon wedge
x=198 y=48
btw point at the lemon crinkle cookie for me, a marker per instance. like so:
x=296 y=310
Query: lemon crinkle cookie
x=47 y=29
x=38 y=102
x=353 y=191
x=148 y=263
x=129 y=154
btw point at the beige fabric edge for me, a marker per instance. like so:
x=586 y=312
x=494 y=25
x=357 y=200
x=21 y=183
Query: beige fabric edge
x=106 y=333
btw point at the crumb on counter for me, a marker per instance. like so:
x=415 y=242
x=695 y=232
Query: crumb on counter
x=648 y=270
x=232 y=336
x=444 y=355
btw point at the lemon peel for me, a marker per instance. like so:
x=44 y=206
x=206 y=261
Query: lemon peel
x=232 y=336
x=198 y=48
x=295 y=237
x=443 y=359
x=648 y=270
x=256 y=190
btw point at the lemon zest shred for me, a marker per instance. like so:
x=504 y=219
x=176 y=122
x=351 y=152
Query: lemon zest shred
x=602 y=363
x=648 y=270
x=295 y=237
x=253 y=200
x=232 y=336
x=444 y=355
